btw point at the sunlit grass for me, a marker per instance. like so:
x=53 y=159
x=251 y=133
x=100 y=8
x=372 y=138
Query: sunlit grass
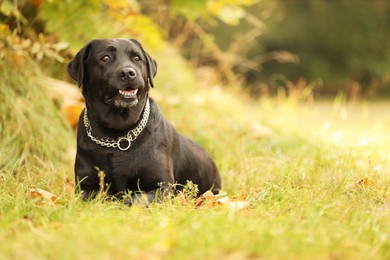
x=292 y=162
x=31 y=131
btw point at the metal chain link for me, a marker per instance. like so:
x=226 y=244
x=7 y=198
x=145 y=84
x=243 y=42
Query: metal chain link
x=129 y=137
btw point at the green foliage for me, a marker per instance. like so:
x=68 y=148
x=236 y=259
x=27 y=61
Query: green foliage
x=9 y=9
x=190 y=9
x=190 y=29
x=77 y=22
x=340 y=42
x=228 y=11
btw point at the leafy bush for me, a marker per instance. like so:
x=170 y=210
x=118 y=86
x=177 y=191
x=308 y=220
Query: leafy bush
x=77 y=22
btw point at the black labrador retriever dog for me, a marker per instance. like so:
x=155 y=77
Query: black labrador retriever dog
x=122 y=131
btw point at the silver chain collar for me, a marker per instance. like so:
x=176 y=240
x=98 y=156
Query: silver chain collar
x=121 y=142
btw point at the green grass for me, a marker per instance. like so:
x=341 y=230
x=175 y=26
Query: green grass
x=295 y=177
x=31 y=131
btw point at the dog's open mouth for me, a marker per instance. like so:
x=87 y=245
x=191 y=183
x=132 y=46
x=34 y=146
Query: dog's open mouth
x=125 y=98
x=128 y=93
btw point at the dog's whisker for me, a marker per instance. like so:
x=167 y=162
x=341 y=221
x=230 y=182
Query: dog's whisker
x=111 y=100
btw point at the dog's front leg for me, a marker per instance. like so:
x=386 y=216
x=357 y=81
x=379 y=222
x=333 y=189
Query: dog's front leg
x=87 y=181
x=85 y=187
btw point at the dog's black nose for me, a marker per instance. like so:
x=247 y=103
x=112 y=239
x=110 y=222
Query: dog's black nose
x=127 y=73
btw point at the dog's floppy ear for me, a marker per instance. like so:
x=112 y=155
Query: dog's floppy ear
x=152 y=68
x=151 y=64
x=76 y=66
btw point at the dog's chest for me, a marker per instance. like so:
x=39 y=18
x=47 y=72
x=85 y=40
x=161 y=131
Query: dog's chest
x=115 y=161
x=123 y=169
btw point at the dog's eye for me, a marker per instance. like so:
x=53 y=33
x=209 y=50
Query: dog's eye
x=137 y=58
x=106 y=58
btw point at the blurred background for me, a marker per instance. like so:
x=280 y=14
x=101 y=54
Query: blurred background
x=317 y=48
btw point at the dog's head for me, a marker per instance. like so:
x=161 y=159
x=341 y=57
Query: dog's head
x=116 y=71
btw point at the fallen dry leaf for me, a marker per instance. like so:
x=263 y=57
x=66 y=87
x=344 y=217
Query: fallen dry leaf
x=232 y=201
x=42 y=194
x=208 y=195
x=181 y=199
x=363 y=183
x=72 y=114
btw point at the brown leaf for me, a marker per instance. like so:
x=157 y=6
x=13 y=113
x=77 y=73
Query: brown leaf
x=42 y=194
x=208 y=195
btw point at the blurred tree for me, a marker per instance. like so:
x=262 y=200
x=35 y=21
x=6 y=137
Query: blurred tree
x=190 y=26
x=187 y=25
x=343 y=43
x=263 y=44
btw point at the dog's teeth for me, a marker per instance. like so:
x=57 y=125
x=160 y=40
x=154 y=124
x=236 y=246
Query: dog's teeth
x=128 y=93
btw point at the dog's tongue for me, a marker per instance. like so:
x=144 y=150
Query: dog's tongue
x=128 y=92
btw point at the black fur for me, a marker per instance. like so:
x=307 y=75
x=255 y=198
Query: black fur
x=159 y=156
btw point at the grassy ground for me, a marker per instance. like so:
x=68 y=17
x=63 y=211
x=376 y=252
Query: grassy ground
x=296 y=165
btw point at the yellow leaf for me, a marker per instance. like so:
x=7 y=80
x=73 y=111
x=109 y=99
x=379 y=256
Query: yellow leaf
x=72 y=114
x=363 y=183
x=233 y=202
